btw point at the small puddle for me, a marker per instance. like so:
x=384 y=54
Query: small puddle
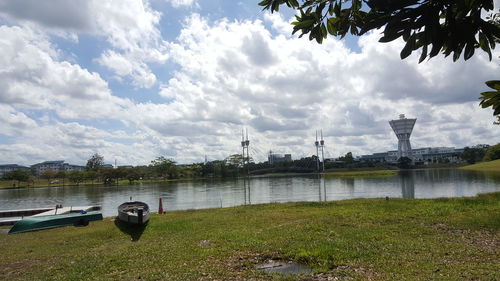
x=284 y=267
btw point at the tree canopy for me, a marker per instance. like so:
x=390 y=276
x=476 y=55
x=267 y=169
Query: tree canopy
x=17 y=175
x=492 y=153
x=165 y=167
x=95 y=162
x=447 y=26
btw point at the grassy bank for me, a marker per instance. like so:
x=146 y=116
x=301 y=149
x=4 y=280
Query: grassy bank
x=491 y=166
x=10 y=184
x=368 y=173
x=363 y=239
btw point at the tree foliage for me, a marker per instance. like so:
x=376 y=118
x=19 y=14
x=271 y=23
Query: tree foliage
x=49 y=175
x=473 y=155
x=95 y=162
x=76 y=176
x=447 y=26
x=492 y=98
x=17 y=175
x=492 y=153
x=165 y=167
x=347 y=158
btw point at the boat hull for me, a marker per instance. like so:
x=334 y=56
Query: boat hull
x=52 y=221
x=134 y=212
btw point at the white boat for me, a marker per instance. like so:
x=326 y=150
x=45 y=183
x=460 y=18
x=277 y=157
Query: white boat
x=59 y=210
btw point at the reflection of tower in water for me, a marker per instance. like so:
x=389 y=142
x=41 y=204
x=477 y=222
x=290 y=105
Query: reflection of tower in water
x=407 y=184
x=246 y=186
x=321 y=188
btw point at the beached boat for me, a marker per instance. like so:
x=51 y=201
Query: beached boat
x=50 y=221
x=134 y=212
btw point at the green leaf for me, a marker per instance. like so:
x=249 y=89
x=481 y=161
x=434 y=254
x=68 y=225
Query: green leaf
x=423 y=55
x=390 y=36
x=489 y=95
x=494 y=84
x=330 y=27
x=323 y=30
x=264 y=3
x=469 y=50
x=293 y=3
x=483 y=43
x=303 y=24
x=409 y=47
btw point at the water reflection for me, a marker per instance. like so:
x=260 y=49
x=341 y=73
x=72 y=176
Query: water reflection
x=247 y=191
x=216 y=193
x=407 y=184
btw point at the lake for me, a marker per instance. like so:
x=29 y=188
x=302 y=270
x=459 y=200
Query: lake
x=424 y=183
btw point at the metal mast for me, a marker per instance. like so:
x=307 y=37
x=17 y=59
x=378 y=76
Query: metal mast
x=403 y=128
x=244 y=145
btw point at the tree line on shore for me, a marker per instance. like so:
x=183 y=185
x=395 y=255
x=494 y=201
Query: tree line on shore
x=163 y=168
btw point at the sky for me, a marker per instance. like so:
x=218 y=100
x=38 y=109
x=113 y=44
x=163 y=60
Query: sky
x=134 y=80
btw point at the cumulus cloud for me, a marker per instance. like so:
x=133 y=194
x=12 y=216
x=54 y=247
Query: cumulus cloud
x=33 y=77
x=130 y=27
x=236 y=73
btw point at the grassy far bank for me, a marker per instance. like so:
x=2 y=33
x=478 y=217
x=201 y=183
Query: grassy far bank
x=362 y=239
x=490 y=166
x=44 y=182
x=369 y=173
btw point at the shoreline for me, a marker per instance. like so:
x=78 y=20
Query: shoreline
x=356 y=239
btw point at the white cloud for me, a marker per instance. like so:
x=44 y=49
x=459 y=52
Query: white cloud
x=230 y=75
x=130 y=27
x=237 y=74
x=33 y=77
x=13 y=122
x=182 y=3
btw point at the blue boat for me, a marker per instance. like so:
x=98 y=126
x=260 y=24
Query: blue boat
x=45 y=222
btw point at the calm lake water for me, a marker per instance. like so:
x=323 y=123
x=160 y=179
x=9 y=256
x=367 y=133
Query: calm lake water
x=426 y=183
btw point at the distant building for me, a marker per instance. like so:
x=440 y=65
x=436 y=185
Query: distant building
x=55 y=166
x=278 y=158
x=375 y=157
x=479 y=146
x=432 y=155
x=426 y=155
x=11 y=167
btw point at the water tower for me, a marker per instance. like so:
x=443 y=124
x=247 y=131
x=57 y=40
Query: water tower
x=403 y=128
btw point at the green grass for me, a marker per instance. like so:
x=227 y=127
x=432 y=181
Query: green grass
x=368 y=173
x=362 y=239
x=490 y=166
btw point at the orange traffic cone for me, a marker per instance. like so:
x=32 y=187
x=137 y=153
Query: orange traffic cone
x=160 y=206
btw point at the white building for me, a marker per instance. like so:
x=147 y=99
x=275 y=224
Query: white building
x=55 y=166
x=425 y=155
x=11 y=167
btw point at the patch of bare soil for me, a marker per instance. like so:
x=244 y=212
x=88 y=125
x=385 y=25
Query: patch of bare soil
x=483 y=240
x=244 y=266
